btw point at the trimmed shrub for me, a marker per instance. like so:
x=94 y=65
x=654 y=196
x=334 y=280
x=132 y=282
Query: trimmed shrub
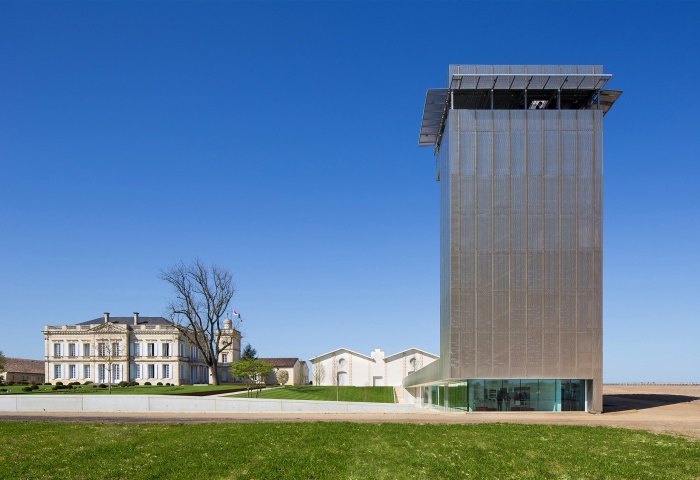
x=26 y=389
x=123 y=383
x=160 y=384
x=102 y=385
x=47 y=383
x=87 y=382
x=74 y=383
x=94 y=386
x=133 y=384
x=34 y=387
x=146 y=383
x=60 y=384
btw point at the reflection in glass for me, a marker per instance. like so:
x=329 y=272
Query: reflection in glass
x=506 y=395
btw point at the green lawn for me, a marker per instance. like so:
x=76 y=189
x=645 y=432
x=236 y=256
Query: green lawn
x=339 y=451
x=344 y=394
x=116 y=390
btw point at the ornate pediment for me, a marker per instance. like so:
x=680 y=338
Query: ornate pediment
x=107 y=328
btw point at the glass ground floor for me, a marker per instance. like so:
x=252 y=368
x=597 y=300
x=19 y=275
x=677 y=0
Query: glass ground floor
x=506 y=395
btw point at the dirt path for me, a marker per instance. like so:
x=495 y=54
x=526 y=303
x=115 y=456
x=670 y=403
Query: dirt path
x=670 y=409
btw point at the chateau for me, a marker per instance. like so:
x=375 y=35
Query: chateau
x=132 y=349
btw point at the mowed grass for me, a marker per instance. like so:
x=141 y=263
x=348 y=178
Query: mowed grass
x=343 y=394
x=339 y=451
x=117 y=390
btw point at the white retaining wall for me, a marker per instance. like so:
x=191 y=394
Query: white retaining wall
x=171 y=403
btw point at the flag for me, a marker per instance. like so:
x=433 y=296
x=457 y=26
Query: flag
x=236 y=314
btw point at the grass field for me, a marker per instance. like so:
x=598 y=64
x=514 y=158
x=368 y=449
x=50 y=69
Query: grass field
x=344 y=394
x=339 y=451
x=116 y=390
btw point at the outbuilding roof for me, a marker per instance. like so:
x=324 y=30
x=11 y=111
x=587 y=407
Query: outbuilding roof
x=23 y=365
x=281 y=362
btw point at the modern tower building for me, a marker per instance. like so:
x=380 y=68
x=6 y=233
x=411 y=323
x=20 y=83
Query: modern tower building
x=520 y=162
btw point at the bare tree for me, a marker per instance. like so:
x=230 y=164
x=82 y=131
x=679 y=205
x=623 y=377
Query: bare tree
x=202 y=296
x=319 y=373
x=108 y=351
x=335 y=380
x=299 y=377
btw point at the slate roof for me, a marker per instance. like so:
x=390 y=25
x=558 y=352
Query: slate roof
x=280 y=362
x=130 y=321
x=23 y=365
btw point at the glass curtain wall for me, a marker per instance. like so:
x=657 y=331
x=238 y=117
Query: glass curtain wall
x=507 y=395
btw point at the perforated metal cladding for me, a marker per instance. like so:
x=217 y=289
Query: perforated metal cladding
x=521 y=244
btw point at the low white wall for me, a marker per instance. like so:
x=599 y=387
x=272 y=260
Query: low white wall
x=171 y=403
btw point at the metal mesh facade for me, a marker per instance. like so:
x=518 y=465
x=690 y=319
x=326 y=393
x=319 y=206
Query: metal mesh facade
x=520 y=173
x=521 y=244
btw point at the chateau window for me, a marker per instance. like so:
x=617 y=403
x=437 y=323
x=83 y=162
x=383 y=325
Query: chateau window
x=116 y=373
x=72 y=351
x=151 y=371
x=166 y=349
x=137 y=349
x=102 y=349
x=102 y=373
x=193 y=352
x=138 y=371
x=86 y=371
x=166 y=371
x=56 y=371
x=224 y=358
x=57 y=349
x=151 y=350
x=182 y=349
x=116 y=349
x=86 y=349
x=72 y=371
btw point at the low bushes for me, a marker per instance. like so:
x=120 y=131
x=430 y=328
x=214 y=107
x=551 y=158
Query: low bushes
x=60 y=386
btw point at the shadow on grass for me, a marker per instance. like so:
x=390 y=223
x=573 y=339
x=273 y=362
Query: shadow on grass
x=637 y=401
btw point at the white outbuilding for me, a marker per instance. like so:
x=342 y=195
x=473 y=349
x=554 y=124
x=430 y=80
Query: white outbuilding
x=346 y=367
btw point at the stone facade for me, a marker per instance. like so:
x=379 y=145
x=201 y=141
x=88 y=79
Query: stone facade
x=297 y=369
x=138 y=349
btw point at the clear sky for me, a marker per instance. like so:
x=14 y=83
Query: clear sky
x=279 y=140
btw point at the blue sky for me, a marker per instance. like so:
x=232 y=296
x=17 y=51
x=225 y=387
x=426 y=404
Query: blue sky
x=280 y=140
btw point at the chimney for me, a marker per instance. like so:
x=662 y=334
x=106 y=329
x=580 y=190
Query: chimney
x=106 y=317
x=136 y=318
